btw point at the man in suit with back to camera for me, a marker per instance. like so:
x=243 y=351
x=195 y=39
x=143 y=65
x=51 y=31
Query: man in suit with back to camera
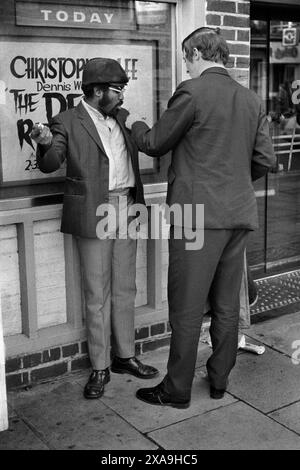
x=102 y=167
x=219 y=137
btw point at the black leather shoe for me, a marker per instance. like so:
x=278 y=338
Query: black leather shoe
x=95 y=386
x=157 y=396
x=217 y=393
x=134 y=367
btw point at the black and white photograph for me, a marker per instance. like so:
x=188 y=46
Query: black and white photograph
x=149 y=228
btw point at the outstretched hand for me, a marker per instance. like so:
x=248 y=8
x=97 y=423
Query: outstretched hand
x=123 y=114
x=129 y=119
x=41 y=134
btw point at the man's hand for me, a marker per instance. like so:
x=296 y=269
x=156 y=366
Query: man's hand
x=41 y=134
x=128 y=118
x=123 y=114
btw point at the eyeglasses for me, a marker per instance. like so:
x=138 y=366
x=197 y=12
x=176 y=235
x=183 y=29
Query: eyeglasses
x=117 y=89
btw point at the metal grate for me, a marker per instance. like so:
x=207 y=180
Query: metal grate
x=277 y=291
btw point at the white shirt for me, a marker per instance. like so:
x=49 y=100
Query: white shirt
x=120 y=167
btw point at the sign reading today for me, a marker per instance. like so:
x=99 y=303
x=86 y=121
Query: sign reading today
x=40 y=80
x=75 y=16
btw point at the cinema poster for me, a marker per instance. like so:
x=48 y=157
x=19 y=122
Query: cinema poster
x=41 y=79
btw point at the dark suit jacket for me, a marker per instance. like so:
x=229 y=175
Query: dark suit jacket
x=219 y=134
x=76 y=139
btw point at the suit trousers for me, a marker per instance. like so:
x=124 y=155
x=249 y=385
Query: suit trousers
x=214 y=272
x=109 y=271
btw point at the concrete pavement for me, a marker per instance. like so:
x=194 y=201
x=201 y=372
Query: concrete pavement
x=261 y=409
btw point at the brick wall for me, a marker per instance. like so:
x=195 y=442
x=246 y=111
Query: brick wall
x=233 y=18
x=35 y=367
x=27 y=370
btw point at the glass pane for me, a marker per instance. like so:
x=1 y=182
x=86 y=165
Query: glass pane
x=259 y=59
x=259 y=83
x=283 y=230
x=42 y=53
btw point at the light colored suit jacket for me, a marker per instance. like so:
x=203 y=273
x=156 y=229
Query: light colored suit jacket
x=75 y=138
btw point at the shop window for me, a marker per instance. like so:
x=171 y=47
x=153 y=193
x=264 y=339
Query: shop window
x=275 y=76
x=44 y=46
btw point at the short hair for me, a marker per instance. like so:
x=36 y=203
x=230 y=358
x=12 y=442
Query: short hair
x=88 y=90
x=209 y=42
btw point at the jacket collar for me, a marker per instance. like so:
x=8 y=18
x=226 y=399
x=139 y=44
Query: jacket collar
x=88 y=124
x=218 y=70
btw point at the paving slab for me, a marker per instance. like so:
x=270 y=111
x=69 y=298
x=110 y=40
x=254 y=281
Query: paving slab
x=120 y=397
x=267 y=382
x=236 y=426
x=289 y=417
x=20 y=437
x=65 y=420
x=280 y=333
x=159 y=357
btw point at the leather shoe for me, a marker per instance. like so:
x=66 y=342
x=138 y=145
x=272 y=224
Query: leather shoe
x=217 y=393
x=134 y=367
x=95 y=386
x=158 y=396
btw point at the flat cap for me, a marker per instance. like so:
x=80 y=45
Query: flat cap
x=103 y=70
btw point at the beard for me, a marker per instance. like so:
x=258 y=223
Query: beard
x=106 y=106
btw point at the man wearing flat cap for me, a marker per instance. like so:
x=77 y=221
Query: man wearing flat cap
x=102 y=166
